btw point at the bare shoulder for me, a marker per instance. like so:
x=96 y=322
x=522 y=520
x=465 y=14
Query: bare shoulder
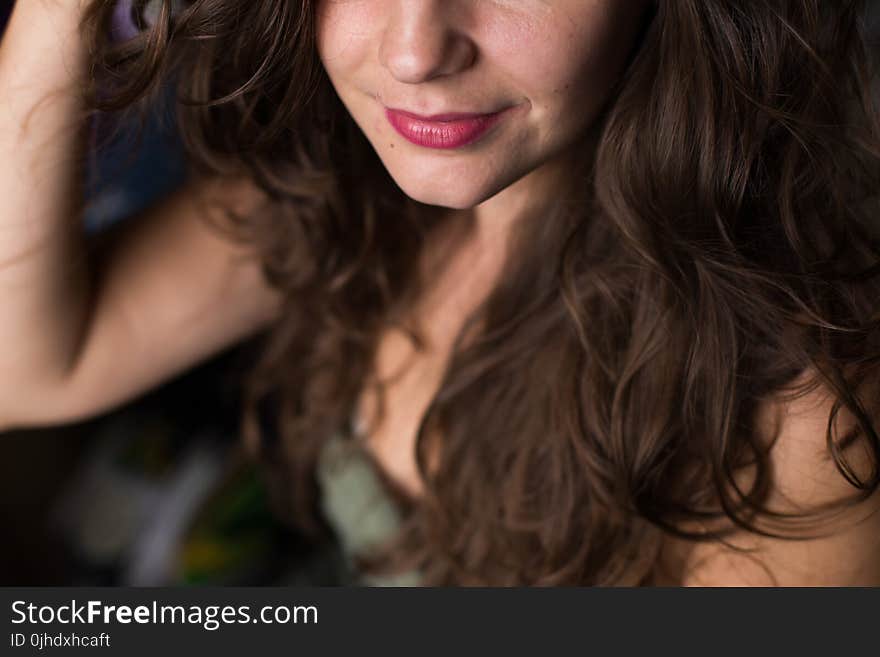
x=844 y=548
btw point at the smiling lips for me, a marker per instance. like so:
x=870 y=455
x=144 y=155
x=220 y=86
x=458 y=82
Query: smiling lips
x=446 y=131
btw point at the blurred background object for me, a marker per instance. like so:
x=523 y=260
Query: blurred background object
x=158 y=492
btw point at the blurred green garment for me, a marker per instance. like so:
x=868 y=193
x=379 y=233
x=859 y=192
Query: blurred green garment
x=357 y=505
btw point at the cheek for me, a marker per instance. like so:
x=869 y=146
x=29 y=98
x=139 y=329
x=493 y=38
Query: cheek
x=575 y=69
x=342 y=33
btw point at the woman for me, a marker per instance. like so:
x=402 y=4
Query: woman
x=591 y=287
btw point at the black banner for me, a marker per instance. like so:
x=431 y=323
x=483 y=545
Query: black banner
x=270 y=621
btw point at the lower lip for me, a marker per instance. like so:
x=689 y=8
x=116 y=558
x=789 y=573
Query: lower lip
x=444 y=135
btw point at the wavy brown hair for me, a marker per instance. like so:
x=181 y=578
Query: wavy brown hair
x=719 y=246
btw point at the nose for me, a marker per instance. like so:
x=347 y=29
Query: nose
x=421 y=41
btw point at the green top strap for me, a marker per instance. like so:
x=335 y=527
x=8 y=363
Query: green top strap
x=358 y=506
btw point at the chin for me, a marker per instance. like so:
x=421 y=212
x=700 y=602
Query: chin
x=447 y=195
x=450 y=192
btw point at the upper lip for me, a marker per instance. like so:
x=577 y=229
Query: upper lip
x=445 y=116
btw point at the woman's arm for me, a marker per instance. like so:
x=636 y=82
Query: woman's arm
x=81 y=332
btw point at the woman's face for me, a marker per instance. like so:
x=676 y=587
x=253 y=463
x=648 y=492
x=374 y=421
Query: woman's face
x=530 y=76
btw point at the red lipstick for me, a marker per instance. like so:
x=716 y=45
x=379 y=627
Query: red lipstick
x=442 y=131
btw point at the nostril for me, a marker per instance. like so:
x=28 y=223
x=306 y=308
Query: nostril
x=418 y=60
